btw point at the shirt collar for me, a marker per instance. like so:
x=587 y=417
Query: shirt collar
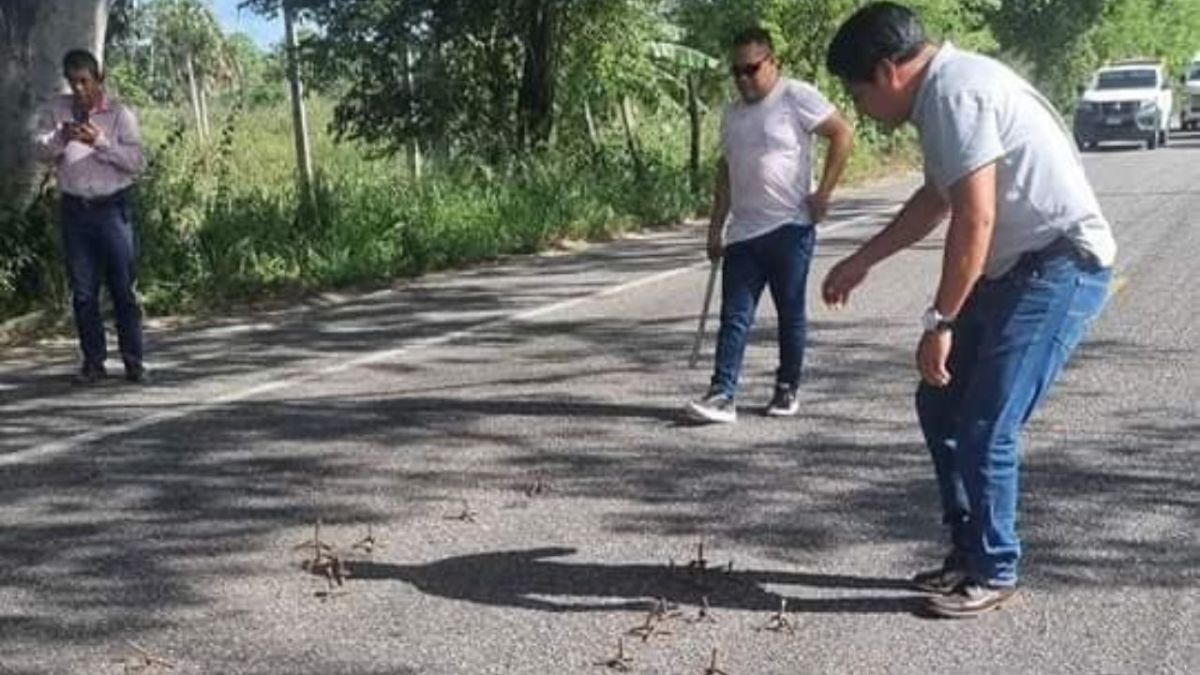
x=944 y=52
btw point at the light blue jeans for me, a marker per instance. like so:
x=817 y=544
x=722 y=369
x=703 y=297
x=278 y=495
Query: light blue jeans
x=1012 y=339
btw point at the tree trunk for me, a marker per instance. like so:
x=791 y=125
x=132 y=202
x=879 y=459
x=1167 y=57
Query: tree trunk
x=205 y=120
x=694 y=119
x=194 y=95
x=34 y=36
x=631 y=139
x=535 y=102
x=410 y=89
x=593 y=134
x=304 y=163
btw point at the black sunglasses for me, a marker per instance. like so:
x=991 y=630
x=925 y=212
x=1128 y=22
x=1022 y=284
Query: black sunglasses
x=749 y=69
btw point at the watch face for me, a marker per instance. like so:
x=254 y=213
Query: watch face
x=930 y=319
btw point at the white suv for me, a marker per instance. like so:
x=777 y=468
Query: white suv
x=1189 y=115
x=1127 y=101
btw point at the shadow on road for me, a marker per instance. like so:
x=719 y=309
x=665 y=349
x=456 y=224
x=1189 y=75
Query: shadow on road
x=528 y=579
x=108 y=539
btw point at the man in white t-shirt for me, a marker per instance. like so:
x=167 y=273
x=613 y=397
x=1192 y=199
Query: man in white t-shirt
x=764 y=216
x=1027 y=265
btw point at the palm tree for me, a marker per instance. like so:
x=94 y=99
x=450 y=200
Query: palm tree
x=187 y=37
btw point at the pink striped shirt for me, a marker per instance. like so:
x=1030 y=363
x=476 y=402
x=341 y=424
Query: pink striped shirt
x=110 y=165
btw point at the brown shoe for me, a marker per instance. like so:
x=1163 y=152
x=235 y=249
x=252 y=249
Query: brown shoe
x=969 y=600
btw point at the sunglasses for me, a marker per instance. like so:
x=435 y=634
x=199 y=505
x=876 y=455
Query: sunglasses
x=749 y=69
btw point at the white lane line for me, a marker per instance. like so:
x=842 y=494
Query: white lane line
x=65 y=445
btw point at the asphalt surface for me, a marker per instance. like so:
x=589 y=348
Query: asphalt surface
x=512 y=436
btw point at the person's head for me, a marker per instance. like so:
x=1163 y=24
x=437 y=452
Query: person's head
x=753 y=66
x=879 y=54
x=83 y=74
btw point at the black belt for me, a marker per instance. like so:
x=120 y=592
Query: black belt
x=102 y=201
x=1063 y=246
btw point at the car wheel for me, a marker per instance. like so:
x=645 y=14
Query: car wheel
x=1152 y=142
x=1166 y=137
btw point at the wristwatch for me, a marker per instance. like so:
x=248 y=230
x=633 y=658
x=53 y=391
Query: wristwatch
x=934 y=321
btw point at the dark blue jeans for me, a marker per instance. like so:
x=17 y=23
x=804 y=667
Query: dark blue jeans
x=1012 y=339
x=99 y=246
x=779 y=259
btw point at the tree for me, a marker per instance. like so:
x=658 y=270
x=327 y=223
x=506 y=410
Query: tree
x=1052 y=35
x=34 y=35
x=185 y=34
x=304 y=163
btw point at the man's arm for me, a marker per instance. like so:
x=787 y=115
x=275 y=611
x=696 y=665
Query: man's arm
x=840 y=135
x=720 y=212
x=974 y=217
x=124 y=151
x=973 y=201
x=922 y=213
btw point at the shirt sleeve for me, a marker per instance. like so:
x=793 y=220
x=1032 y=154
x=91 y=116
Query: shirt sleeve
x=809 y=105
x=961 y=136
x=124 y=149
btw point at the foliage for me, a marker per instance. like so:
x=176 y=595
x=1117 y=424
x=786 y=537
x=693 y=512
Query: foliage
x=516 y=103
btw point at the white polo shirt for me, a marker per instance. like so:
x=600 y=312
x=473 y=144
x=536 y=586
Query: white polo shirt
x=972 y=111
x=768 y=146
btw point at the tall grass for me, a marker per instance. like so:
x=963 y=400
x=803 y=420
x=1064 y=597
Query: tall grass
x=218 y=221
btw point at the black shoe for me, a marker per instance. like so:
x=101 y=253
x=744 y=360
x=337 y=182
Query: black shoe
x=944 y=579
x=784 y=403
x=137 y=374
x=969 y=600
x=714 y=407
x=89 y=375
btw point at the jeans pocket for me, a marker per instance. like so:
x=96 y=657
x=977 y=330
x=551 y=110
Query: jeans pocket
x=1091 y=294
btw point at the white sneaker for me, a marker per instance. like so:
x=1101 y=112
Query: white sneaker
x=714 y=407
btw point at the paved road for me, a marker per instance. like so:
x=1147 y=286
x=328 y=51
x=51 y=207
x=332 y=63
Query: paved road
x=167 y=516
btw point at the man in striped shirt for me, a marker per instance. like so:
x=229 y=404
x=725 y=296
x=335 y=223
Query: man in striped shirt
x=96 y=147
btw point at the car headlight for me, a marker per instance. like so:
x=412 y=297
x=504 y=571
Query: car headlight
x=1087 y=107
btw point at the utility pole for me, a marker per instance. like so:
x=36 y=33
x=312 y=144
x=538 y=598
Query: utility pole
x=304 y=163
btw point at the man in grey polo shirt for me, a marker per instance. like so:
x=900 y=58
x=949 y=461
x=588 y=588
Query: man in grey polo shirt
x=1026 y=268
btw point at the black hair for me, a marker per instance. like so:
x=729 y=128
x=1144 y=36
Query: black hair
x=753 y=35
x=81 y=59
x=880 y=31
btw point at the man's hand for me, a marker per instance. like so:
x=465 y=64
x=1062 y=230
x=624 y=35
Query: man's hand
x=86 y=133
x=818 y=205
x=843 y=278
x=932 y=354
x=716 y=246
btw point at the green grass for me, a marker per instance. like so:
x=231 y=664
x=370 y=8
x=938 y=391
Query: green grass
x=218 y=221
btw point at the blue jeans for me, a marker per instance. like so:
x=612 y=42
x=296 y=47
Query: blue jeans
x=779 y=258
x=98 y=245
x=1011 y=341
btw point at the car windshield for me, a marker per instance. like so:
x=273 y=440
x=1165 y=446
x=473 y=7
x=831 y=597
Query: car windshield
x=1127 y=79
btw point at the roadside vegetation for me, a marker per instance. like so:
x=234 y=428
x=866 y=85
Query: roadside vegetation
x=450 y=132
